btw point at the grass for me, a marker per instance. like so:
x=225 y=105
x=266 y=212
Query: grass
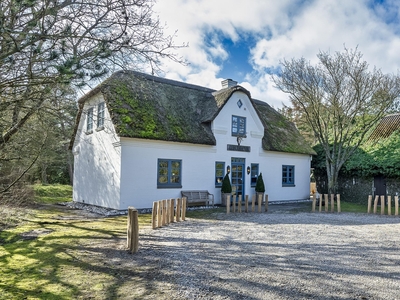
x=45 y=254
x=51 y=256
x=51 y=194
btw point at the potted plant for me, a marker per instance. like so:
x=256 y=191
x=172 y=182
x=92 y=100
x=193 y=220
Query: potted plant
x=260 y=187
x=226 y=189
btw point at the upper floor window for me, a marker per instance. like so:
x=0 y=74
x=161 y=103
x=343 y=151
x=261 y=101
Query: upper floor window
x=89 y=123
x=287 y=175
x=254 y=174
x=219 y=173
x=169 y=173
x=238 y=126
x=100 y=114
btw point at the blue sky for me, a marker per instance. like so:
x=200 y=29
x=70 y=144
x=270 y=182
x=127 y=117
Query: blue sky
x=246 y=41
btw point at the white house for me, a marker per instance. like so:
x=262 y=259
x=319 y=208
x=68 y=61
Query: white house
x=140 y=138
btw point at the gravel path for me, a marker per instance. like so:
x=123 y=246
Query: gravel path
x=277 y=255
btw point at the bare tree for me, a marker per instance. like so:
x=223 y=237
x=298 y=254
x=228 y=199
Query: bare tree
x=341 y=99
x=48 y=44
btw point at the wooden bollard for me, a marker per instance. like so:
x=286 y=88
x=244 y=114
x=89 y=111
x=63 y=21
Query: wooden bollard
x=260 y=198
x=159 y=213
x=172 y=210
x=178 y=209
x=234 y=203
x=266 y=202
x=253 y=203
x=326 y=202
x=228 y=204
x=320 y=203
x=240 y=204
x=332 y=202
x=184 y=204
x=389 y=205
x=376 y=204
x=382 y=204
x=133 y=230
x=314 y=200
x=168 y=211
x=369 y=204
x=154 y=215
x=396 y=205
x=246 y=203
x=164 y=212
x=339 y=209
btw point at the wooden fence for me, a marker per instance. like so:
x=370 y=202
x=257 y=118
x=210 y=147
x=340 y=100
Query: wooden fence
x=382 y=210
x=326 y=202
x=168 y=211
x=238 y=206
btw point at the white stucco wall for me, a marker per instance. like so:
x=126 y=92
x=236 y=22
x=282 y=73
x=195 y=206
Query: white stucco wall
x=270 y=162
x=139 y=170
x=97 y=161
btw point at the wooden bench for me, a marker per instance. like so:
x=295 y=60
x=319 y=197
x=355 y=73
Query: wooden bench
x=198 y=197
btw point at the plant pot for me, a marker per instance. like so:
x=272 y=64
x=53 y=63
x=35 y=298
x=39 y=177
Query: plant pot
x=262 y=197
x=223 y=198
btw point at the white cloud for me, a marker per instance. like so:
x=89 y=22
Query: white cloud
x=283 y=29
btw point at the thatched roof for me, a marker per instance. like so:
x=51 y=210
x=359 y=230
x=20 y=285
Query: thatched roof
x=386 y=127
x=149 y=107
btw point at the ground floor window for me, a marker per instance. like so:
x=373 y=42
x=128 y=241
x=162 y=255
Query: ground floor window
x=254 y=174
x=169 y=173
x=219 y=173
x=287 y=175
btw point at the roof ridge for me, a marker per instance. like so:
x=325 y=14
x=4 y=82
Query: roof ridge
x=167 y=81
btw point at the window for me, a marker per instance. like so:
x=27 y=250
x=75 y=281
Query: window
x=89 y=124
x=238 y=126
x=169 y=173
x=100 y=115
x=254 y=174
x=219 y=173
x=288 y=175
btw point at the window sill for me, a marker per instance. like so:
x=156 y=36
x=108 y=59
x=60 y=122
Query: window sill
x=288 y=185
x=169 y=186
x=100 y=128
x=89 y=132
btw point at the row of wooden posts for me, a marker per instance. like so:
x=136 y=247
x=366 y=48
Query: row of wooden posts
x=246 y=203
x=165 y=212
x=382 y=197
x=326 y=202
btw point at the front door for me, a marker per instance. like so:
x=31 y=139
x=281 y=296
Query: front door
x=237 y=177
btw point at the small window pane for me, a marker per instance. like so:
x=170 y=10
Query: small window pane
x=89 y=125
x=219 y=173
x=169 y=173
x=238 y=126
x=100 y=114
x=254 y=174
x=288 y=175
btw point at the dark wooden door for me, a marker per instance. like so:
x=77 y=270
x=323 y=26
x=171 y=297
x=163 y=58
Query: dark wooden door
x=380 y=185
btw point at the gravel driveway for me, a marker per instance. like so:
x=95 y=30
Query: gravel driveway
x=276 y=255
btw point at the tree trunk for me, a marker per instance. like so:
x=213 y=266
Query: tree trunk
x=44 y=173
x=332 y=174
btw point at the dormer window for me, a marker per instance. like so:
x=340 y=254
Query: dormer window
x=238 y=126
